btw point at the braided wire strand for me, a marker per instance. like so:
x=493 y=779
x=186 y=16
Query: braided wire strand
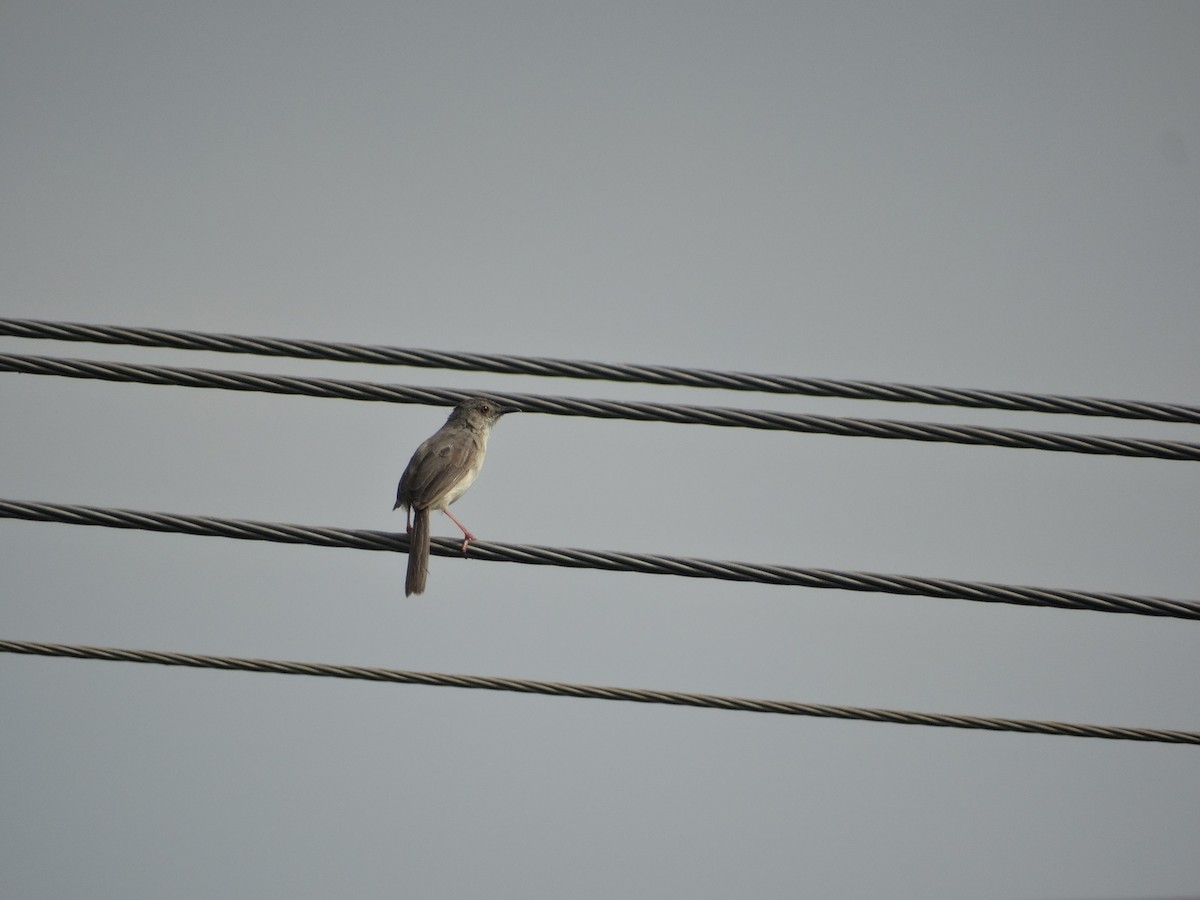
x=596 y=371
x=728 y=417
x=605 y=560
x=595 y=692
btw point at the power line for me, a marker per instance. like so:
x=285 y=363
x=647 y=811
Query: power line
x=597 y=371
x=560 y=689
x=605 y=560
x=728 y=417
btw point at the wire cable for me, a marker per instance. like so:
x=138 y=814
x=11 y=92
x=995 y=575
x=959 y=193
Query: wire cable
x=596 y=371
x=560 y=689
x=606 y=409
x=605 y=560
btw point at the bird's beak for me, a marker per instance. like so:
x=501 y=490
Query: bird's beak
x=505 y=410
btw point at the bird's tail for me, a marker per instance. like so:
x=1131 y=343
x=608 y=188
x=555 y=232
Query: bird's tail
x=418 y=554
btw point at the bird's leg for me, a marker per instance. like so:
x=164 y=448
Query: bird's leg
x=467 y=536
x=408 y=520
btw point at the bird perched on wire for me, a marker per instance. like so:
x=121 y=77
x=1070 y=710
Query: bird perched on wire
x=439 y=473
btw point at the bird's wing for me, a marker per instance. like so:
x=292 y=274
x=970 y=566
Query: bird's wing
x=438 y=465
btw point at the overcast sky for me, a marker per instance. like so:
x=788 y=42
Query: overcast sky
x=998 y=196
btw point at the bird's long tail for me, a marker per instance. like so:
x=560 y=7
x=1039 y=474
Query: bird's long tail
x=418 y=554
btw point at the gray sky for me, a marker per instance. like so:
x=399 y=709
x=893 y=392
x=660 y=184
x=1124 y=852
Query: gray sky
x=1003 y=196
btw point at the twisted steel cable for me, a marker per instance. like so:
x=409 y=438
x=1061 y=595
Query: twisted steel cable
x=596 y=371
x=560 y=689
x=605 y=560
x=607 y=409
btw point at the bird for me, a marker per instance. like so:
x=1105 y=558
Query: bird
x=440 y=472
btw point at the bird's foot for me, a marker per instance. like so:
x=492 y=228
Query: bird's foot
x=467 y=538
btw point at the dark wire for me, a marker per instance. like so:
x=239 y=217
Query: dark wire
x=559 y=689
x=728 y=417
x=596 y=371
x=606 y=560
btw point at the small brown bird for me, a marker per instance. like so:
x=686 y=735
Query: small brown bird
x=439 y=473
